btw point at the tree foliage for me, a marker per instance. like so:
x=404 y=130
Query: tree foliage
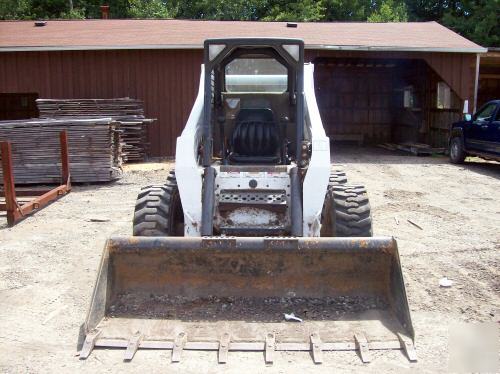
x=477 y=20
x=305 y=10
x=150 y=9
x=390 y=11
x=349 y=10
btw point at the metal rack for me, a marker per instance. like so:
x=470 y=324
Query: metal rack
x=18 y=210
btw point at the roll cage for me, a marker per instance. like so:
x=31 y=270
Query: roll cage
x=218 y=53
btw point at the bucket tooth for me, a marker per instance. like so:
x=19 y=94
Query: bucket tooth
x=133 y=346
x=89 y=344
x=316 y=348
x=362 y=347
x=179 y=343
x=224 y=348
x=270 y=348
x=408 y=347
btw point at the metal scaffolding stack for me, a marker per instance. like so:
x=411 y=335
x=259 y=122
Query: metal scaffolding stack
x=126 y=112
x=94 y=149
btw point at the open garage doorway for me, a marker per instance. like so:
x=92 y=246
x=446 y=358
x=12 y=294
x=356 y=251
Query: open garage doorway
x=373 y=101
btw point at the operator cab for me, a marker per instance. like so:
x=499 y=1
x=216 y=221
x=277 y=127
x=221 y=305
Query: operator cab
x=253 y=100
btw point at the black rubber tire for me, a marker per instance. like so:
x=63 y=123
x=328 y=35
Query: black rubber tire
x=158 y=210
x=346 y=212
x=457 y=152
x=337 y=177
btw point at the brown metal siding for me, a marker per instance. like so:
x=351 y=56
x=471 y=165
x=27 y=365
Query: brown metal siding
x=167 y=81
x=456 y=69
x=368 y=101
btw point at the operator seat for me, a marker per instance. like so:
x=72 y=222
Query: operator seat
x=255 y=138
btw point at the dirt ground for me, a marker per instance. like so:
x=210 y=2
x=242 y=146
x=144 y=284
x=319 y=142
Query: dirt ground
x=48 y=266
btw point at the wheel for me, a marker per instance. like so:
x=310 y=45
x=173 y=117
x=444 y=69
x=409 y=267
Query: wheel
x=337 y=177
x=457 y=153
x=346 y=212
x=158 y=210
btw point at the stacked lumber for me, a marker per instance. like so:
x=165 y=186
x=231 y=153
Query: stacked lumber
x=94 y=149
x=134 y=137
x=119 y=107
x=128 y=114
x=417 y=149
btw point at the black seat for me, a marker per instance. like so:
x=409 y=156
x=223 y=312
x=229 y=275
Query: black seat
x=255 y=138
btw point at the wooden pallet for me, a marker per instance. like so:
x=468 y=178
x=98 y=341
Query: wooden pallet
x=358 y=138
x=417 y=149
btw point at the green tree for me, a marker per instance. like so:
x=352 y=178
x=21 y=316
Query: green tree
x=476 y=20
x=221 y=10
x=305 y=10
x=348 y=10
x=428 y=10
x=15 y=9
x=390 y=11
x=150 y=9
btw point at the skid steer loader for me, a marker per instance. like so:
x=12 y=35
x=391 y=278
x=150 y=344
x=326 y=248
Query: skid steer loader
x=252 y=225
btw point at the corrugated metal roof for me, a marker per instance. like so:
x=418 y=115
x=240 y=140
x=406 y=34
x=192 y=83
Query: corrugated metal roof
x=177 y=34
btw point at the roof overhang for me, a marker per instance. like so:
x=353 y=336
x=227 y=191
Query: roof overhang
x=199 y=46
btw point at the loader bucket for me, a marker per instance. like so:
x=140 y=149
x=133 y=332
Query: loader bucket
x=231 y=294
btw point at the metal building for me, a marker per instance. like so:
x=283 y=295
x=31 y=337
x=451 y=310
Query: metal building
x=375 y=82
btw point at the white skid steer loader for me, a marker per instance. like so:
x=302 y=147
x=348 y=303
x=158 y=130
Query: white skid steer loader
x=252 y=225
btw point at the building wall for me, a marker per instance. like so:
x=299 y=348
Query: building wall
x=167 y=80
x=457 y=69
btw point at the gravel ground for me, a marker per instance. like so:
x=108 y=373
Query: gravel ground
x=48 y=265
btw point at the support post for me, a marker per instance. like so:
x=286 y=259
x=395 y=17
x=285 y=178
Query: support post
x=207 y=213
x=296 y=199
x=65 y=174
x=8 y=183
x=476 y=81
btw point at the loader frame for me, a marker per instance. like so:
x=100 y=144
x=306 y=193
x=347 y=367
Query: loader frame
x=231 y=281
x=194 y=176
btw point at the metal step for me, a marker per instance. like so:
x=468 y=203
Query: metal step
x=265 y=199
x=253 y=231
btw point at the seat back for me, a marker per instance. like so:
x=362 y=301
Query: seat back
x=255 y=133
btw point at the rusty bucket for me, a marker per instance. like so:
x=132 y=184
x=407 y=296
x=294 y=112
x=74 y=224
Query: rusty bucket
x=249 y=294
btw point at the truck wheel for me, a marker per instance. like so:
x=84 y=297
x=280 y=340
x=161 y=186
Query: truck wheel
x=158 y=210
x=457 y=153
x=346 y=212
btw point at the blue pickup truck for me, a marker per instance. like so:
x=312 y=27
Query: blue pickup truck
x=477 y=135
